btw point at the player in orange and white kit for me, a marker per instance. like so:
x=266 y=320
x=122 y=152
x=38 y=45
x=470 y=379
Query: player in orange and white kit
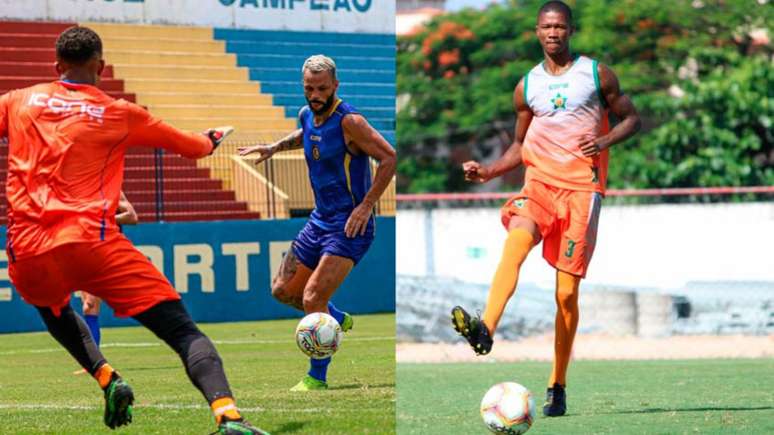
x=562 y=137
x=66 y=145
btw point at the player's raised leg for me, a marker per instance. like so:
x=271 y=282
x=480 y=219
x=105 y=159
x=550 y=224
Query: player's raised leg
x=523 y=234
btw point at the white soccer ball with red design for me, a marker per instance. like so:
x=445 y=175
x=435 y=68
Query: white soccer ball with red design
x=318 y=335
x=508 y=408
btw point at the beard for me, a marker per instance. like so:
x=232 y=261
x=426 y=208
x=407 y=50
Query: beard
x=325 y=106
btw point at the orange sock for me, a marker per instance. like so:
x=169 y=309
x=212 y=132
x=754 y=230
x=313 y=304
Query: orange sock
x=517 y=246
x=567 y=316
x=225 y=406
x=103 y=375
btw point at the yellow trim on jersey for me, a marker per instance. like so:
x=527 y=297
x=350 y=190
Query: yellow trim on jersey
x=347 y=162
x=330 y=112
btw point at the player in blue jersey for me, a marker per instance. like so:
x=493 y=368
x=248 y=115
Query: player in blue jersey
x=338 y=143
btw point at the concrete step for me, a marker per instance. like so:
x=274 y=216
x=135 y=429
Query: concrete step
x=190 y=85
x=294 y=88
x=202 y=111
x=308 y=49
x=111 y=30
x=275 y=60
x=33 y=27
x=198 y=98
x=189 y=206
x=344 y=75
x=142 y=42
x=171 y=184
x=290 y=36
x=249 y=124
x=39 y=69
x=206 y=215
x=182 y=58
x=7 y=82
x=180 y=72
x=181 y=195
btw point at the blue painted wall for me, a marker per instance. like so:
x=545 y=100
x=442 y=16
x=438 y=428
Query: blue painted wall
x=370 y=288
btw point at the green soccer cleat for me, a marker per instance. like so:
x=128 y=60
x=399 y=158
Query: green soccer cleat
x=241 y=427
x=310 y=384
x=556 y=401
x=473 y=329
x=347 y=323
x=118 y=403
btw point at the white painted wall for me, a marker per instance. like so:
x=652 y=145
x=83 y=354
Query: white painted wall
x=369 y=16
x=644 y=246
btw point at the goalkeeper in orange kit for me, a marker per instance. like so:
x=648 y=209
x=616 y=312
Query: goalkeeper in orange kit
x=66 y=142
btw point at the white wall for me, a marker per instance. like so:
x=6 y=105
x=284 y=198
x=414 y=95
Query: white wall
x=647 y=246
x=370 y=16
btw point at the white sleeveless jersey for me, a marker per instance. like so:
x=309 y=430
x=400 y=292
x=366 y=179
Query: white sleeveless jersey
x=567 y=108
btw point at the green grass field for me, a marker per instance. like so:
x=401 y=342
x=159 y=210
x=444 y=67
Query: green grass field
x=39 y=393
x=604 y=397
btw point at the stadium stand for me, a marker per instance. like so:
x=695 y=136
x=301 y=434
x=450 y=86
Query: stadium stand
x=198 y=77
x=365 y=67
x=26 y=57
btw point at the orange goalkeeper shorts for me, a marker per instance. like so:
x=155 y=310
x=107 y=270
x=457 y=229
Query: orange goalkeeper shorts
x=567 y=220
x=113 y=270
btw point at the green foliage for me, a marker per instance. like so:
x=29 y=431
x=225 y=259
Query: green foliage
x=718 y=134
x=460 y=73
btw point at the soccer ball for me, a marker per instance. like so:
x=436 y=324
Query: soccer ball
x=508 y=408
x=318 y=335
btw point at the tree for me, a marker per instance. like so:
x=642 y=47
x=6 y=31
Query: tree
x=460 y=72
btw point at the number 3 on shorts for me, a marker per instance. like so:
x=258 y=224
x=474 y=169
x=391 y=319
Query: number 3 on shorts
x=570 y=248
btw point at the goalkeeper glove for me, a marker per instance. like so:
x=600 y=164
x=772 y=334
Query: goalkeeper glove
x=218 y=134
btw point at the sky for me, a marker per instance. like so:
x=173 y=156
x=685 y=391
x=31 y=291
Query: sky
x=454 y=5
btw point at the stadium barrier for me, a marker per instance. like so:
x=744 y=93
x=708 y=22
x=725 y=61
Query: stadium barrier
x=696 y=262
x=223 y=271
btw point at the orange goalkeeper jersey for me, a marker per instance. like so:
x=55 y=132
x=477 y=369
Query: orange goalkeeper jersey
x=66 y=146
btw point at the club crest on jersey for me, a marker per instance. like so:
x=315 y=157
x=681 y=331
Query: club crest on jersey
x=559 y=101
x=316 y=152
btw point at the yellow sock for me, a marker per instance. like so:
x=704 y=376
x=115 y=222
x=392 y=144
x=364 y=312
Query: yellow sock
x=567 y=316
x=103 y=375
x=225 y=406
x=517 y=246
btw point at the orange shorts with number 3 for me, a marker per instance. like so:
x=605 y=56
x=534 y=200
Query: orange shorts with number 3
x=567 y=220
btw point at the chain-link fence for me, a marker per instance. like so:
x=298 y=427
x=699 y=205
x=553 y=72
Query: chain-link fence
x=166 y=187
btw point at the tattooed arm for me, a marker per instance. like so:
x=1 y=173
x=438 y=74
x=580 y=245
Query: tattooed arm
x=290 y=142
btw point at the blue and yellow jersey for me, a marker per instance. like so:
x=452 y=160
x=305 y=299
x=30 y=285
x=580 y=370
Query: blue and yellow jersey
x=340 y=179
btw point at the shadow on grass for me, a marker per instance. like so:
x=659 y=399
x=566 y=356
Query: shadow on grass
x=360 y=386
x=697 y=409
x=151 y=368
x=293 y=426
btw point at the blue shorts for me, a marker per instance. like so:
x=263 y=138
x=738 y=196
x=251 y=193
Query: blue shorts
x=313 y=242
